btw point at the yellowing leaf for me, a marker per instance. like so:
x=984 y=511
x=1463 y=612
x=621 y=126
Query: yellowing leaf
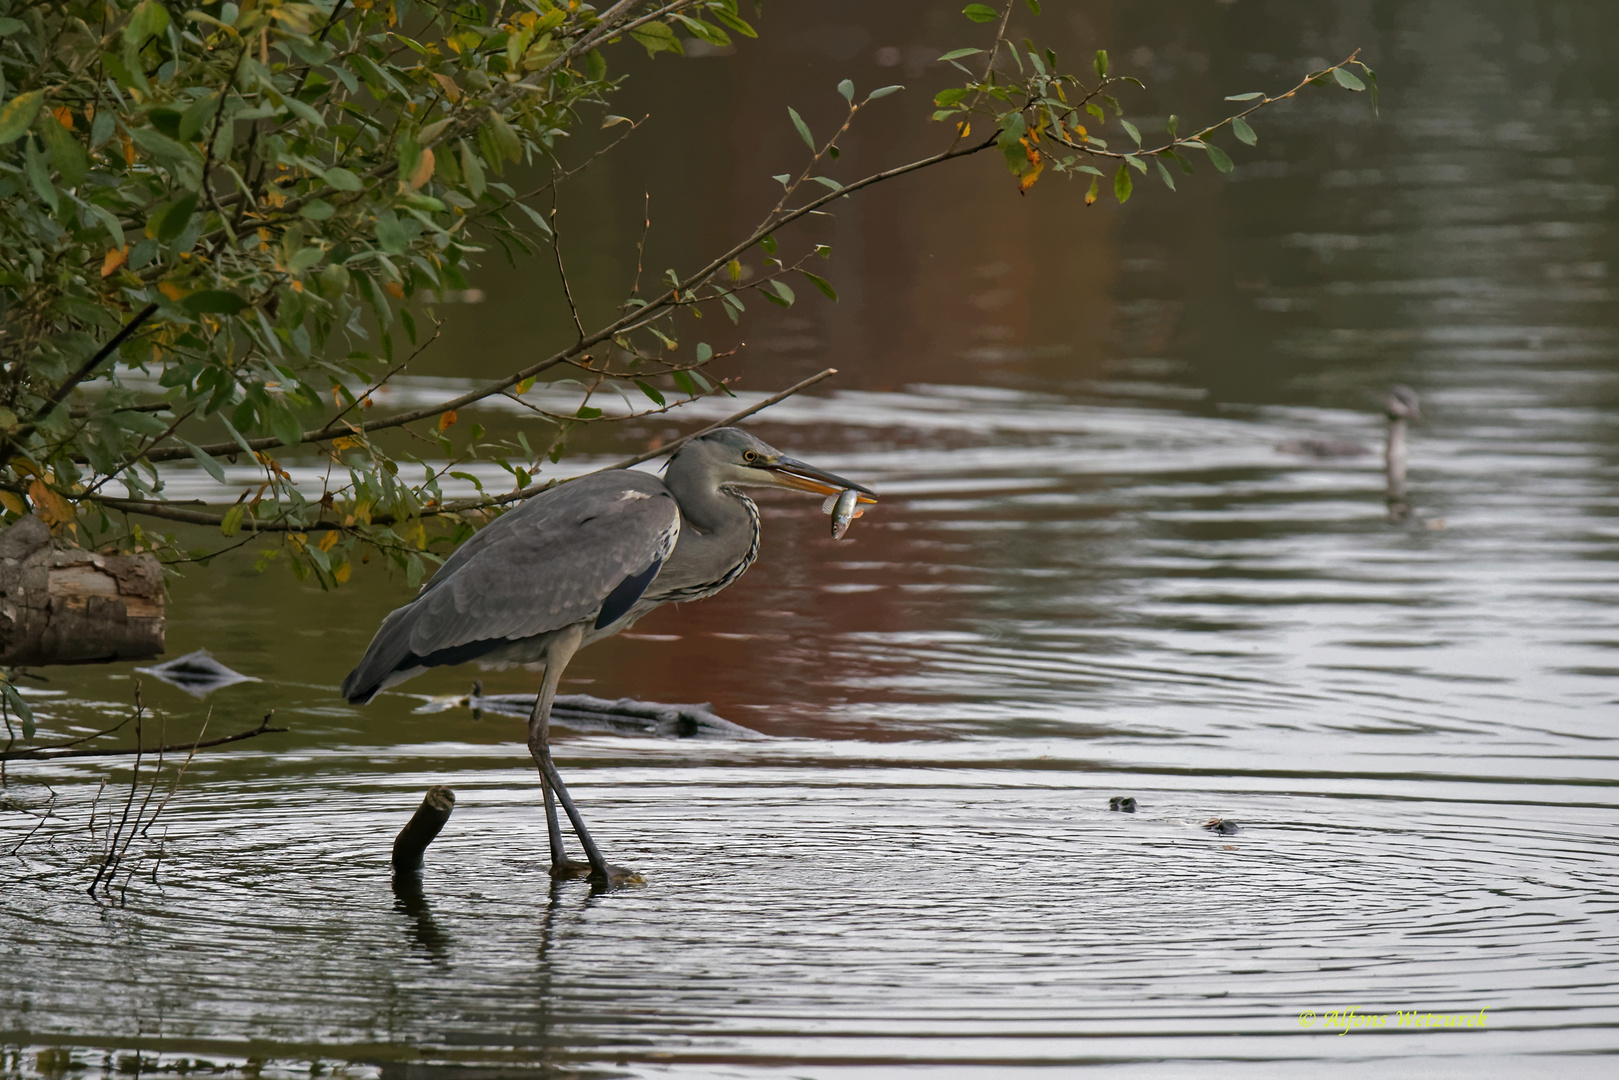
x=171 y=290
x=53 y=509
x=116 y=257
x=13 y=502
x=423 y=172
x=1028 y=180
x=342 y=571
x=451 y=91
x=329 y=541
x=344 y=442
x=395 y=290
x=446 y=420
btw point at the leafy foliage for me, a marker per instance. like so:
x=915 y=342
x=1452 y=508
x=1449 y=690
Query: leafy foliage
x=222 y=222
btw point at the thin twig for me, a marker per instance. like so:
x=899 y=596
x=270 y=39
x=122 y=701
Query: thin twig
x=671 y=447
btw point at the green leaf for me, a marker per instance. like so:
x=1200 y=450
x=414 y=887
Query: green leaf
x=951 y=95
x=501 y=135
x=233 y=520
x=342 y=179
x=1033 y=5
x=11 y=26
x=1218 y=157
x=1347 y=80
x=846 y=88
x=196 y=117
x=980 y=13
x=1163 y=173
x=781 y=290
x=1371 y=77
x=1130 y=129
x=66 y=154
x=15 y=701
x=169 y=223
x=957 y=54
x=1245 y=97
x=705 y=352
x=149 y=20
x=656 y=37
x=821 y=283
x=214 y=302
x=283 y=422
x=769 y=243
x=206 y=460
x=1171 y=124
x=1244 y=133
x=115 y=230
x=651 y=392
x=803 y=128
x=588 y=412
x=1100 y=63
x=472 y=171
x=39 y=172
x=883 y=91
x=1121 y=184
x=18 y=115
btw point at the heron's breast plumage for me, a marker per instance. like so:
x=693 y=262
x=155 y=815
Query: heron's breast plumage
x=698 y=590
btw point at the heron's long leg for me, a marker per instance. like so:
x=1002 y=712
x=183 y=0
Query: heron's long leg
x=558 y=653
x=559 y=854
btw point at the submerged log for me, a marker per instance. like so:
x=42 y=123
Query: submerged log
x=70 y=606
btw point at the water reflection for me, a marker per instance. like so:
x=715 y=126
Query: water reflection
x=1092 y=576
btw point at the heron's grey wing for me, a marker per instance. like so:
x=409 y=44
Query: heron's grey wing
x=583 y=551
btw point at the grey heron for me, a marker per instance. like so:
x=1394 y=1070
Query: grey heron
x=578 y=563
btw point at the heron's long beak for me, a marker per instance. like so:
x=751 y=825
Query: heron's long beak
x=791 y=473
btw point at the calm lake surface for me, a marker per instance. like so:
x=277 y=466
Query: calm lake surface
x=1092 y=574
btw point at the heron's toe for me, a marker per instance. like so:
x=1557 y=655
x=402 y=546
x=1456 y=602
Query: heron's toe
x=570 y=868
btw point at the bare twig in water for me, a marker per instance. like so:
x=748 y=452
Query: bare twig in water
x=109 y=859
x=264 y=728
x=43 y=818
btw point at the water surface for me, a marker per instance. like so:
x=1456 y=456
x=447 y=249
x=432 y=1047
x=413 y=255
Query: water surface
x=1092 y=574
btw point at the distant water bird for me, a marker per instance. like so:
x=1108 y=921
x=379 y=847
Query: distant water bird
x=1125 y=804
x=1401 y=408
x=1222 y=826
x=578 y=563
x=1400 y=405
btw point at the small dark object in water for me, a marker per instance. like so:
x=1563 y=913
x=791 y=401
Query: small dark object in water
x=1125 y=804
x=197 y=673
x=1223 y=826
x=421 y=830
x=1323 y=448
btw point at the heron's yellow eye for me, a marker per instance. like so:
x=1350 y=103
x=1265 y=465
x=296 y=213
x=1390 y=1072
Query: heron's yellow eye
x=749 y=455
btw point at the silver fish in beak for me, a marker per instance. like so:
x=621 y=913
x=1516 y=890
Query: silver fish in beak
x=844 y=508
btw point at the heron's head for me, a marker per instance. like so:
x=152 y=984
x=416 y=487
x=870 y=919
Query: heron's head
x=730 y=457
x=1402 y=404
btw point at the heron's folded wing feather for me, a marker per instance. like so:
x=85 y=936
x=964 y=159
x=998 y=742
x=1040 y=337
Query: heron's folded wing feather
x=554 y=564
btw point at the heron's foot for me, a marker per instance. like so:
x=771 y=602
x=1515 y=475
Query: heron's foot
x=570 y=868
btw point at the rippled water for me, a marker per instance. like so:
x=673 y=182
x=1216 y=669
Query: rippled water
x=1092 y=574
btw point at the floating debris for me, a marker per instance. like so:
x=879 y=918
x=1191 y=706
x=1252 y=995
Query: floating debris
x=582 y=712
x=197 y=673
x=1125 y=804
x=1223 y=826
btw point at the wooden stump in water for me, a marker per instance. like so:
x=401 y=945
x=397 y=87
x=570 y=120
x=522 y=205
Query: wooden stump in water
x=421 y=830
x=70 y=606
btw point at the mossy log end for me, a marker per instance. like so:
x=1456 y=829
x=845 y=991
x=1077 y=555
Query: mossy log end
x=70 y=606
